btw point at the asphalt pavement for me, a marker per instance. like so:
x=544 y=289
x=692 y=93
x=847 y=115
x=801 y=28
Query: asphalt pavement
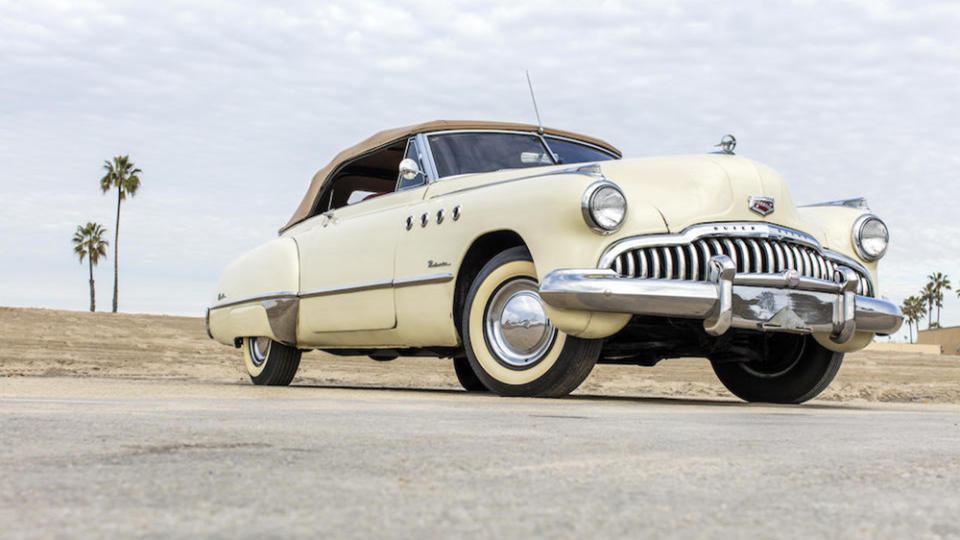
x=121 y=458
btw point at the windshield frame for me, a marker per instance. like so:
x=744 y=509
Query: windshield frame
x=543 y=140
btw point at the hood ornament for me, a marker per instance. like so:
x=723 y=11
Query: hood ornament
x=727 y=143
x=760 y=205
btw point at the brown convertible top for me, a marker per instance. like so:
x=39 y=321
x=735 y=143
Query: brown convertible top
x=387 y=137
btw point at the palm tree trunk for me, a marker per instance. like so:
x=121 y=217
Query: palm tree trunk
x=116 y=250
x=93 y=296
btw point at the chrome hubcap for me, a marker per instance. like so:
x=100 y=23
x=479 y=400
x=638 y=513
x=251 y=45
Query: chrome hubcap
x=259 y=349
x=518 y=330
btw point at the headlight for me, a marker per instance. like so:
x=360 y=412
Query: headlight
x=604 y=207
x=870 y=237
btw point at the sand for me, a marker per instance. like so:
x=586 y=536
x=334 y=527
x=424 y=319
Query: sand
x=49 y=343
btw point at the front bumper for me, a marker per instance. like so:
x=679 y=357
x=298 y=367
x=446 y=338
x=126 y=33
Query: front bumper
x=784 y=302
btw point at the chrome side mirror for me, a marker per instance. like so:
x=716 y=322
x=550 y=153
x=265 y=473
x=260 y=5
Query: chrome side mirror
x=409 y=169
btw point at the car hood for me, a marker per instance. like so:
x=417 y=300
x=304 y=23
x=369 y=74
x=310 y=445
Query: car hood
x=688 y=190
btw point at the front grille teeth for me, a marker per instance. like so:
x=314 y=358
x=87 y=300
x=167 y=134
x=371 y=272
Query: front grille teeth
x=749 y=255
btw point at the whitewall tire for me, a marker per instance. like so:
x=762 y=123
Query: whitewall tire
x=510 y=342
x=268 y=362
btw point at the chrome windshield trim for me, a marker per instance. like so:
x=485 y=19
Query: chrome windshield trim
x=426 y=158
x=258 y=298
x=696 y=232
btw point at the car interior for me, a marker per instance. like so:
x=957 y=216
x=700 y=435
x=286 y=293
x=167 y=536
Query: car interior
x=368 y=176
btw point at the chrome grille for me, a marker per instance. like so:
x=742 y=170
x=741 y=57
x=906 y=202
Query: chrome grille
x=750 y=255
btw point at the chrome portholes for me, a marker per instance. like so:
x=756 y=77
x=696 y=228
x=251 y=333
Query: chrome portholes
x=518 y=331
x=259 y=350
x=425 y=218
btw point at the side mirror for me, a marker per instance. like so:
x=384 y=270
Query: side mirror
x=409 y=169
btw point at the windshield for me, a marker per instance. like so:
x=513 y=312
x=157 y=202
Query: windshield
x=571 y=152
x=464 y=153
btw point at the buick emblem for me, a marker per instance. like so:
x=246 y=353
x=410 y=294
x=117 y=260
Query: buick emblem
x=761 y=205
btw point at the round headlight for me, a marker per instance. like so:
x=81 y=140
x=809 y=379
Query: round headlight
x=604 y=207
x=870 y=237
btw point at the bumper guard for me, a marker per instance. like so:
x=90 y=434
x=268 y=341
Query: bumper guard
x=784 y=302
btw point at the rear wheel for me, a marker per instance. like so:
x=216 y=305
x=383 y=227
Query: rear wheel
x=270 y=363
x=795 y=369
x=510 y=342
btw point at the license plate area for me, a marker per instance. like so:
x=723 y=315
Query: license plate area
x=783 y=310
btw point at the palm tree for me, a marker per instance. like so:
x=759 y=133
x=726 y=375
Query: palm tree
x=88 y=243
x=941 y=284
x=913 y=309
x=123 y=175
x=929 y=296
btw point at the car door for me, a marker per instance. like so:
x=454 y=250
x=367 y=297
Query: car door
x=347 y=264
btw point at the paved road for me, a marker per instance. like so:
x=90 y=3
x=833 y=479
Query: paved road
x=95 y=457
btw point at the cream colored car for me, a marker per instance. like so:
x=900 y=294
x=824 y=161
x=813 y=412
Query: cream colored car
x=528 y=255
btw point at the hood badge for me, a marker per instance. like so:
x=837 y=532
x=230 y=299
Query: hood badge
x=760 y=205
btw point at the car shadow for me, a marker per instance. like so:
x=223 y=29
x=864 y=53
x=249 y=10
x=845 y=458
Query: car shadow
x=594 y=398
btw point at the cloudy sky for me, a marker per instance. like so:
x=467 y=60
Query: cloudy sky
x=230 y=107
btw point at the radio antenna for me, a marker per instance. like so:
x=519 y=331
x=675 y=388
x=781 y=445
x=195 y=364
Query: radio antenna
x=535 y=109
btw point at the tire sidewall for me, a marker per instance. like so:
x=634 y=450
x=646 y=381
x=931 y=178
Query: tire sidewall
x=252 y=369
x=812 y=373
x=541 y=378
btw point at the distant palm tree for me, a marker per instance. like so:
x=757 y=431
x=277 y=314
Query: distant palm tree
x=941 y=284
x=913 y=309
x=929 y=297
x=88 y=243
x=123 y=175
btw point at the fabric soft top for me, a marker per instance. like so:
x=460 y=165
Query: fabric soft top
x=390 y=136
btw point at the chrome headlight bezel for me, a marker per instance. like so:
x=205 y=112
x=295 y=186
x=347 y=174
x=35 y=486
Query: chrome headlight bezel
x=588 y=210
x=857 y=237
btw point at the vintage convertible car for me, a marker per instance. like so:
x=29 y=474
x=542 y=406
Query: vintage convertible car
x=527 y=255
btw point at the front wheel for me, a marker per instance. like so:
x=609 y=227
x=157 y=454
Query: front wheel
x=468 y=379
x=795 y=369
x=270 y=363
x=510 y=342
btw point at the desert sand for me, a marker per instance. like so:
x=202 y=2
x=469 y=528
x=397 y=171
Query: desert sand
x=49 y=343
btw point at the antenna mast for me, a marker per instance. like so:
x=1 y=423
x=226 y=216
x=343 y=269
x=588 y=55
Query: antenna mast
x=535 y=109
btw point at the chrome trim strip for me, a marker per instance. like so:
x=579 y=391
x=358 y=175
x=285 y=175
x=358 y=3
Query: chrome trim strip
x=423 y=280
x=370 y=286
x=587 y=170
x=259 y=298
x=373 y=285
x=858 y=202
